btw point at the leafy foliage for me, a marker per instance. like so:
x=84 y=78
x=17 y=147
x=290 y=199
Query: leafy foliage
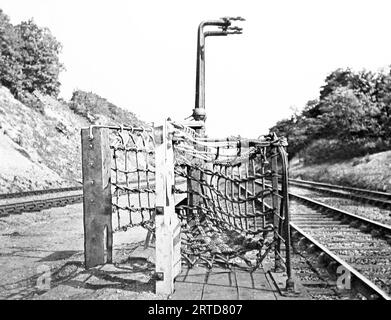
x=91 y=106
x=352 y=117
x=39 y=50
x=10 y=57
x=29 y=59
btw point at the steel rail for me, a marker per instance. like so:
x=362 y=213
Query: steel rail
x=38 y=205
x=45 y=203
x=24 y=194
x=382 y=199
x=386 y=229
x=374 y=224
x=360 y=282
x=335 y=186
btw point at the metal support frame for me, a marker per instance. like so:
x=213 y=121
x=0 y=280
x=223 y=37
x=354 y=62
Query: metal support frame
x=168 y=241
x=290 y=283
x=224 y=24
x=199 y=113
x=276 y=205
x=96 y=167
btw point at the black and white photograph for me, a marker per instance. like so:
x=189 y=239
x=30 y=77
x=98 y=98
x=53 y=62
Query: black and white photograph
x=195 y=156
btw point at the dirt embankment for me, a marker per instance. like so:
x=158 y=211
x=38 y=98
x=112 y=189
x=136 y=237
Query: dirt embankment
x=43 y=150
x=369 y=172
x=37 y=150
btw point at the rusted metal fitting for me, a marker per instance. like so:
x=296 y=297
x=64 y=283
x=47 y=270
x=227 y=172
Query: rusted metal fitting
x=159 y=211
x=199 y=114
x=290 y=285
x=158 y=276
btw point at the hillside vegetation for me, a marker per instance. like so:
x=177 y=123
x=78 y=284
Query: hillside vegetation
x=344 y=137
x=351 y=118
x=42 y=149
x=29 y=60
x=39 y=133
x=368 y=172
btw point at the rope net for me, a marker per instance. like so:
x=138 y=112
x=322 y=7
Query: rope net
x=234 y=214
x=132 y=178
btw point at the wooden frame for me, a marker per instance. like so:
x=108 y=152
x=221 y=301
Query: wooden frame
x=168 y=230
x=97 y=211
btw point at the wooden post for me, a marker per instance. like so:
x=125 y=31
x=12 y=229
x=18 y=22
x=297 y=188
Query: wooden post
x=96 y=167
x=168 y=260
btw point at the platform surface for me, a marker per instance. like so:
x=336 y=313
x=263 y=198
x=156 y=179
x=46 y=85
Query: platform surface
x=200 y=283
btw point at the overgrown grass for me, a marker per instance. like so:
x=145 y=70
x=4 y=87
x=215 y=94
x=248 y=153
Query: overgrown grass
x=91 y=106
x=369 y=171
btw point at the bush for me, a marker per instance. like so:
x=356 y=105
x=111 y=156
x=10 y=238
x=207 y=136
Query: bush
x=324 y=150
x=90 y=105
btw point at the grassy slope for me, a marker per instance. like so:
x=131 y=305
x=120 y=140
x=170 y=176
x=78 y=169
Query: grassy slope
x=40 y=151
x=370 y=172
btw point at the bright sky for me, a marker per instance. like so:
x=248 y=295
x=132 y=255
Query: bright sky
x=141 y=55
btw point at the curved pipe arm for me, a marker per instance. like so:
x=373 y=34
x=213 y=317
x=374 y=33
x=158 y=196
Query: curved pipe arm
x=219 y=23
x=214 y=33
x=225 y=29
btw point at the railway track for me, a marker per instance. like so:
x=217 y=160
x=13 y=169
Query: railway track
x=361 y=246
x=305 y=244
x=39 y=200
x=37 y=192
x=377 y=198
x=339 y=238
x=376 y=228
x=32 y=201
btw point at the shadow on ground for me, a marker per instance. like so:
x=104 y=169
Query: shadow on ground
x=127 y=277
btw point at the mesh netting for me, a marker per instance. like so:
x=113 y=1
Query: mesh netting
x=234 y=214
x=132 y=178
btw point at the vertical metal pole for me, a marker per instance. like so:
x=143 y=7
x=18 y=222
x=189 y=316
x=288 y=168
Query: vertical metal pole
x=97 y=211
x=290 y=283
x=168 y=262
x=199 y=115
x=225 y=24
x=253 y=191
x=200 y=71
x=275 y=203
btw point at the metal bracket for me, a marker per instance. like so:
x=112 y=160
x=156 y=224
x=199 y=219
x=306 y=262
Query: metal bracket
x=158 y=276
x=159 y=211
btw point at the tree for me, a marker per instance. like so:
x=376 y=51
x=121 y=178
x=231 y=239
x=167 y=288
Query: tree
x=383 y=99
x=361 y=82
x=10 y=59
x=346 y=115
x=295 y=131
x=28 y=58
x=39 y=52
x=354 y=108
